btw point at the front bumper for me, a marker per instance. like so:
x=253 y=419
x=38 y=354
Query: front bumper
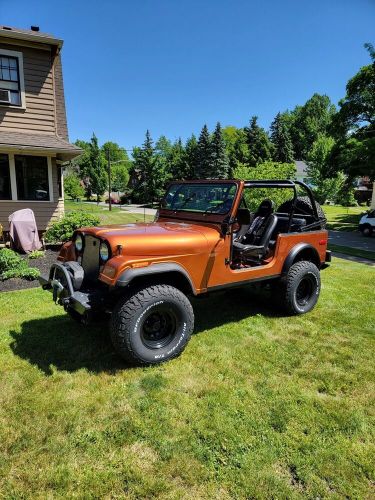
x=62 y=281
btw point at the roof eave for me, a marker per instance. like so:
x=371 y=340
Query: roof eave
x=64 y=154
x=16 y=35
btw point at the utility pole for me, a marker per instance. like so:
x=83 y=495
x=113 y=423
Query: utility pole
x=109 y=180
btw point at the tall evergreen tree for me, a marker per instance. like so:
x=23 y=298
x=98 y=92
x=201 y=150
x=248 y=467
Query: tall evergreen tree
x=177 y=165
x=259 y=144
x=205 y=163
x=191 y=157
x=220 y=162
x=151 y=171
x=281 y=140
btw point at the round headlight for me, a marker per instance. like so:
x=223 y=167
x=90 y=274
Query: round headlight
x=104 y=251
x=79 y=242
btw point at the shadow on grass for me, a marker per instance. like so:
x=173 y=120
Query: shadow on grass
x=58 y=343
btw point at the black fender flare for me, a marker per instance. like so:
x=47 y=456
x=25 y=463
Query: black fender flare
x=127 y=276
x=293 y=254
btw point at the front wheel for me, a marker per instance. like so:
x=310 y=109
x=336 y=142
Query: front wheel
x=301 y=287
x=152 y=326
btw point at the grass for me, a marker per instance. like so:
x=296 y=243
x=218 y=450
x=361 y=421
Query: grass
x=356 y=252
x=258 y=406
x=115 y=216
x=341 y=218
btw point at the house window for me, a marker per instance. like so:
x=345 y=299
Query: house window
x=32 y=178
x=5 y=191
x=11 y=78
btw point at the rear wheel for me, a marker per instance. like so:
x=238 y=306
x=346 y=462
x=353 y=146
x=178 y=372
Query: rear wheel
x=152 y=326
x=304 y=206
x=301 y=287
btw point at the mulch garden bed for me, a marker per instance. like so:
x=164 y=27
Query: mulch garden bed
x=43 y=264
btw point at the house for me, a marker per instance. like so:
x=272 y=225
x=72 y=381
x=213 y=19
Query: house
x=301 y=171
x=34 y=141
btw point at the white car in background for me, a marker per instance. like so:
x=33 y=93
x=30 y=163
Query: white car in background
x=367 y=223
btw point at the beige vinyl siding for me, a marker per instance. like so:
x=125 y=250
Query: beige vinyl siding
x=44 y=211
x=39 y=115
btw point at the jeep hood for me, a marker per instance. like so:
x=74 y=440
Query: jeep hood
x=157 y=238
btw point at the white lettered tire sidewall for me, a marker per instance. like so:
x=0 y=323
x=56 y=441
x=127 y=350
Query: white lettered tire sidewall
x=129 y=315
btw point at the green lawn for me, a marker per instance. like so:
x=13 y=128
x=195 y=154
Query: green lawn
x=342 y=218
x=258 y=406
x=115 y=216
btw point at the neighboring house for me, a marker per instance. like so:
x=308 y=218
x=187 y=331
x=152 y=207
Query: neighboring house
x=301 y=169
x=34 y=141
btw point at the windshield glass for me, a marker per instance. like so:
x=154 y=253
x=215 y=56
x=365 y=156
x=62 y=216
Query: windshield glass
x=204 y=198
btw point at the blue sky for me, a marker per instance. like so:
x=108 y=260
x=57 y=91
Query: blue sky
x=171 y=65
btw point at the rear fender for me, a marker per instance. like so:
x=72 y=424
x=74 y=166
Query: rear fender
x=302 y=251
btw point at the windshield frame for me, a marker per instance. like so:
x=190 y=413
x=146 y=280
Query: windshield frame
x=194 y=214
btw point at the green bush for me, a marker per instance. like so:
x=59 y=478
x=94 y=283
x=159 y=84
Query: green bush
x=13 y=266
x=63 y=229
x=36 y=254
x=267 y=170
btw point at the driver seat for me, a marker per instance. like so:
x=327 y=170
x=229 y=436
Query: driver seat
x=255 y=243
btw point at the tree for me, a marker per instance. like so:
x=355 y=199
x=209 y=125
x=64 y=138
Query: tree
x=119 y=177
x=152 y=171
x=310 y=120
x=354 y=124
x=325 y=186
x=191 y=157
x=220 y=162
x=72 y=186
x=94 y=170
x=266 y=170
x=205 y=165
x=258 y=142
x=281 y=140
x=236 y=146
x=178 y=167
x=116 y=152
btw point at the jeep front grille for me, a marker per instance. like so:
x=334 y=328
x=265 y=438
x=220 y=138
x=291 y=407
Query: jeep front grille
x=90 y=257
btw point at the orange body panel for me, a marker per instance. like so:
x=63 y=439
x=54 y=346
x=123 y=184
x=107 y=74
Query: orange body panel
x=196 y=242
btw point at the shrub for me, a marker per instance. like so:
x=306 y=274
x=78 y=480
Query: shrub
x=63 y=229
x=36 y=254
x=263 y=171
x=13 y=266
x=73 y=187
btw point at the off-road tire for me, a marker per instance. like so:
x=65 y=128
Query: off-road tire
x=303 y=205
x=301 y=287
x=131 y=316
x=366 y=230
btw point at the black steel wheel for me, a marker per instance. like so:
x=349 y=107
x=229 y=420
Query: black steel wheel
x=301 y=287
x=152 y=326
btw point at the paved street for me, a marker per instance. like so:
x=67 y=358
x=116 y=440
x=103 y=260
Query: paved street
x=352 y=239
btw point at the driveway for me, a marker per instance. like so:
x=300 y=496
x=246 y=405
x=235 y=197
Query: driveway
x=353 y=240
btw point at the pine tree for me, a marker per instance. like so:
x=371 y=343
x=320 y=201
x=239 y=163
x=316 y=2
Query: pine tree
x=191 y=157
x=177 y=162
x=205 y=167
x=219 y=155
x=259 y=144
x=281 y=140
x=151 y=170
